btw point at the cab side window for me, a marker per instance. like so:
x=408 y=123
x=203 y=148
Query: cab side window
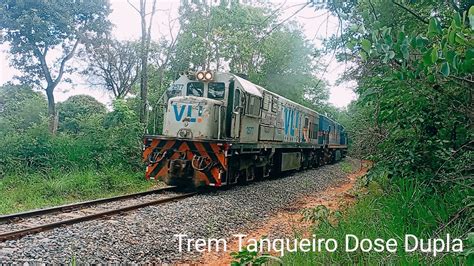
x=253 y=107
x=237 y=98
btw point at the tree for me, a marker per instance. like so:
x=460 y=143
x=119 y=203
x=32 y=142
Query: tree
x=38 y=30
x=414 y=73
x=77 y=108
x=113 y=64
x=144 y=49
x=287 y=67
x=214 y=36
x=20 y=108
x=248 y=40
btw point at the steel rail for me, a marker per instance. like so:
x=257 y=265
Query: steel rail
x=22 y=232
x=73 y=206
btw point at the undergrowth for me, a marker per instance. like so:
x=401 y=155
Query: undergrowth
x=20 y=192
x=404 y=207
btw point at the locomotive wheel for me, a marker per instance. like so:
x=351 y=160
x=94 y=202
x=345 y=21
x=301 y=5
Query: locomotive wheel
x=327 y=157
x=250 y=173
x=259 y=172
x=234 y=176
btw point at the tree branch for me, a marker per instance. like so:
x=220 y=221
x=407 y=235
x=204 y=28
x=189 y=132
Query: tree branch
x=44 y=65
x=134 y=7
x=63 y=62
x=373 y=9
x=411 y=12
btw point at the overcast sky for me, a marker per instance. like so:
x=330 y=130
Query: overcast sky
x=317 y=25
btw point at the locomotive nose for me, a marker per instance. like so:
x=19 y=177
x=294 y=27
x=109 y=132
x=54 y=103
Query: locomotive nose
x=193 y=117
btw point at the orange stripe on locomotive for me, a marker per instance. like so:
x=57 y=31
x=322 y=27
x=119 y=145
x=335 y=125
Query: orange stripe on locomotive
x=159 y=153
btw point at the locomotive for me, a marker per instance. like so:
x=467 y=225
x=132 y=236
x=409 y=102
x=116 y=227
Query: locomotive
x=220 y=129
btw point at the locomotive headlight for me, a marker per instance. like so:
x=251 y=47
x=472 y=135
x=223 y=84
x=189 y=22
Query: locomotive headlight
x=200 y=75
x=208 y=75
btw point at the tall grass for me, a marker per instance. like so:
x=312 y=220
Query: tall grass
x=405 y=207
x=36 y=190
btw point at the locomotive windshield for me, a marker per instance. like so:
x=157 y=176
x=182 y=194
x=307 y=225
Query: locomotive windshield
x=195 y=89
x=216 y=90
x=174 y=90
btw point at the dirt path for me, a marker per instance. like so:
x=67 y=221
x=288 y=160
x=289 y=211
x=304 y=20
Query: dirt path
x=287 y=222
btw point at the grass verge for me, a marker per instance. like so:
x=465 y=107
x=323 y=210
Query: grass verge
x=391 y=210
x=32 y=191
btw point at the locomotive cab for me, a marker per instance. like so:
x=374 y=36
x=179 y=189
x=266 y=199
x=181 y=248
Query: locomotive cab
x=196 y=107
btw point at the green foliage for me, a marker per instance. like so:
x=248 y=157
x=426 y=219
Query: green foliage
x=77 y=109
x=247 y=257
x=288 y=67
x=346 y=167
x=90 y=138
x=20 y=108
x=95 y=154
x=317 y=214
x=25 y=191
x=248 y=40
x=414 y=111
x=406 y=207
x=413 y=116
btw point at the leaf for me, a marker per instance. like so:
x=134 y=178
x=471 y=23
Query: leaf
x=469 y=54
x=434 y=55
x=405 y=52
x=401 y=37
x=451 y=37
x=445 y=69
x=391 y=54
x=434 y=27
x=363 y=55
x=421 y=42
x=457 y=20
x=451 y=58
x=427 y=58
x=350 y=45
x=460 y=39
x=471 y=17
x=366 y=45
x=431 y=78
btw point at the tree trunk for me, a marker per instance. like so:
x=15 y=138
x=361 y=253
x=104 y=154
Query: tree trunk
x=144 y=63
x=53 y=126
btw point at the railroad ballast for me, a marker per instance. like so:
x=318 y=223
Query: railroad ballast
x=220 y=129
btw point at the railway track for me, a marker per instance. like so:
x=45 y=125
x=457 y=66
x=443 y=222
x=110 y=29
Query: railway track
x=14 y=226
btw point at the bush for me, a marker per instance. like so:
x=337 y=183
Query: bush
x=77 y=108
x=90 y=139
x=94 y=154
x=405 y=207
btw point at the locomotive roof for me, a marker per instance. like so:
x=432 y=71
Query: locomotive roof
x=257 y=90
x=249 y=87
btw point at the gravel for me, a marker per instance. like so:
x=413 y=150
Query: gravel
x=56 y=217
x=147 y=235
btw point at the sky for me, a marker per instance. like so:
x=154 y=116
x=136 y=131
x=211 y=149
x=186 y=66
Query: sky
x=317 y=25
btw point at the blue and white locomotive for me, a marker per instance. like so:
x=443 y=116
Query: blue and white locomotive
x=220 y=129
